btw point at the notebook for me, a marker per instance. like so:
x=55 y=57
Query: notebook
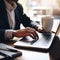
x=43 y=43
x=8 y=52
x=2 y=57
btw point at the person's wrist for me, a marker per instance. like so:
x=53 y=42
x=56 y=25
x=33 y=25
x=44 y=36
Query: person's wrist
x=38 y=27
x=14 y=33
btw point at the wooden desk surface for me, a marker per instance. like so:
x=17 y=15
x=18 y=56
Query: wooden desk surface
x=58 y=30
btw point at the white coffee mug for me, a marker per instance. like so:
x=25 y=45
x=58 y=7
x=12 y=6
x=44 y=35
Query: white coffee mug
x=47 y=23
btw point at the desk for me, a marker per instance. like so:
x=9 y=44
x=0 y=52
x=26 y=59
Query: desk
x=33 y=55
x=53 y=54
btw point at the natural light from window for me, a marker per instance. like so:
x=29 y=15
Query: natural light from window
x=40 y=7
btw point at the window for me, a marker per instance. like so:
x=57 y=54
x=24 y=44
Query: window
x=40 y=7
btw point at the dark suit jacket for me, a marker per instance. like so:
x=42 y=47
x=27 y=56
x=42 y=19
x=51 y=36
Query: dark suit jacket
x=20 y=17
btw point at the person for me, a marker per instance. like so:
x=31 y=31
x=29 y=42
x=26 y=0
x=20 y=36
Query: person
x=11 y=16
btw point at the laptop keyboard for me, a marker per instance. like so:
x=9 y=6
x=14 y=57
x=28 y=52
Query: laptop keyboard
x=45 y=39
x=46 y=36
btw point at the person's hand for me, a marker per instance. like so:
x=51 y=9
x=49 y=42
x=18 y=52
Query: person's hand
x=40 y=29
x=26 y=32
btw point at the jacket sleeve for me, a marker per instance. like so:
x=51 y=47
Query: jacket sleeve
x=25 y=20
x=2 y=31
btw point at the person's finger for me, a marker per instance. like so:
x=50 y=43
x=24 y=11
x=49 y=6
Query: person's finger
x=31 y=35
x=35 y=33
x=32 y=31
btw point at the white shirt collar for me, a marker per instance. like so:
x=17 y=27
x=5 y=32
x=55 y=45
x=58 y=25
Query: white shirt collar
x=9 y=6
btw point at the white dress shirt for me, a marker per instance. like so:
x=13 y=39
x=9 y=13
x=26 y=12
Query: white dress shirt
x=11 y=18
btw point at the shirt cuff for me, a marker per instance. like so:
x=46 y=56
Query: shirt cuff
x=8 y=33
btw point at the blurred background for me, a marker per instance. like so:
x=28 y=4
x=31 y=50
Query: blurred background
x=34 y=8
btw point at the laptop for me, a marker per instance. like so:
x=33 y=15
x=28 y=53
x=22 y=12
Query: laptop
x=42 y=44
